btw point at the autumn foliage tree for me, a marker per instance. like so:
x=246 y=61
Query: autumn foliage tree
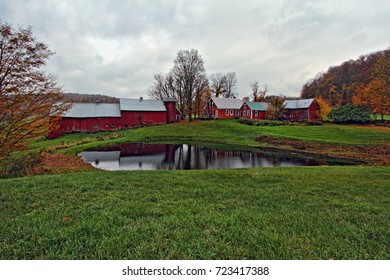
x=276 y=108
x=29 y=99
x=376 y=94
x=325 y=108
x=339 y=84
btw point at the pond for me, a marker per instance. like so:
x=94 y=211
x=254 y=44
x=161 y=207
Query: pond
x=139 y=156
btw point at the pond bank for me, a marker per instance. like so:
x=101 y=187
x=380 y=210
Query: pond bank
x=373 y=155
x=367 y=145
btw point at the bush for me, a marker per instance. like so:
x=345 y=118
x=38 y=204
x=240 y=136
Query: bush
x=350 y=114
x=278 y=123
x=271 y=123
x=242 y=120
x=19 y=165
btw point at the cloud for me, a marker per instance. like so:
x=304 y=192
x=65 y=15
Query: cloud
x=115 y=47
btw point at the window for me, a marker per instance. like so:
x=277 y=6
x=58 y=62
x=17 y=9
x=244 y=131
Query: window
x=244 y=114
x=248 y=113
x=231 y=112
x=245 y=106
x=227 y=112
x=237 y=112
x=256 y=113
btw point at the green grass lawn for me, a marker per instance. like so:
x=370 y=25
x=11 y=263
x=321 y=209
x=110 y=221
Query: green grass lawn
x=386 y=117
x=260 y=213
x=229 y=132
x=264 y=213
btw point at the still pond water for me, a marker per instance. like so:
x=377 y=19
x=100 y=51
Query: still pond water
x=186 y=157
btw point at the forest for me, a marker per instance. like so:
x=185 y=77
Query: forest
x=360 y=81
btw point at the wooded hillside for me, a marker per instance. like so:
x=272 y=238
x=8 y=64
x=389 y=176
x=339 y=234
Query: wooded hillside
x=89 y=98
x=340 y=83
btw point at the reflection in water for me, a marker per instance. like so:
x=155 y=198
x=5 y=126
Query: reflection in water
x=170 y=157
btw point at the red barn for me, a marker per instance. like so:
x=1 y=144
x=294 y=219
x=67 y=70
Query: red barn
x=223 y=108
x=303 y=109
x=253 y=110
x=138 y=112
x=92 y=117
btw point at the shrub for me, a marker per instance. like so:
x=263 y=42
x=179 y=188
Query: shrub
x=19 y=165
x=242 y=120
x=350 y=114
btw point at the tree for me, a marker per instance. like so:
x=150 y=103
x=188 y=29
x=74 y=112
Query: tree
x=376 y=94
x=224 y=85
x=258 y=95
x=218 y=84
x=189 y=71
x=338 y=84
x=29 y=99
x=377 y=97
x=231 y=85
x=325 y=108
x=163 y=86
x=276 y=108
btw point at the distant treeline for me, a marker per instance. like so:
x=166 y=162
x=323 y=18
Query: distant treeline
x=338 y=85
x=89 y=98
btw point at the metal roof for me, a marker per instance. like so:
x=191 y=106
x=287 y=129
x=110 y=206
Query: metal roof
x=93 y=110
x=298 y=104
x=227 y=103
x=169 y=99
x=257 y=106
x=140 y=105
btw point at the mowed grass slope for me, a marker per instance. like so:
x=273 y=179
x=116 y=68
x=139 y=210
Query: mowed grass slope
x=229 y=132
x=269 y=213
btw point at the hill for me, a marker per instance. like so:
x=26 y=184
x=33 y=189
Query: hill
x=89 y=98
x=338 y=85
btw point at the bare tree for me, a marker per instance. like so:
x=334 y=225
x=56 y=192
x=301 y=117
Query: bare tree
x=163 y=86
x=223 y=85
x=258 y=95
x=189 y=70
x=231 y=85
x=218 y=84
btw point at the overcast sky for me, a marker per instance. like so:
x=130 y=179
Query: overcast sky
x=115 y=47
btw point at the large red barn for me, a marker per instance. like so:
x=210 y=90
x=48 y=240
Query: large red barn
x=92 y=117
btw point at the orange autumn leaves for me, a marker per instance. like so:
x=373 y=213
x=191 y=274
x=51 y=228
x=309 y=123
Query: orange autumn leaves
x=30 y=100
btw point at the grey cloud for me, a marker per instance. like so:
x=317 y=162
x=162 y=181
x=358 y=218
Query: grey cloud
x=116 y=46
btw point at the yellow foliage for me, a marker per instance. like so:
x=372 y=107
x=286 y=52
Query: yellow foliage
x=325 y=108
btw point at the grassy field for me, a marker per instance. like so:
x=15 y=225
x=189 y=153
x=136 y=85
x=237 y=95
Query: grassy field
x=261 y=213
x=220 y=132
x=269 y=213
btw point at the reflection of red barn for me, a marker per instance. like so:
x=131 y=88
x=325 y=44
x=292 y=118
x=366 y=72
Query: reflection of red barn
x=303 y=109
x=92 y=117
